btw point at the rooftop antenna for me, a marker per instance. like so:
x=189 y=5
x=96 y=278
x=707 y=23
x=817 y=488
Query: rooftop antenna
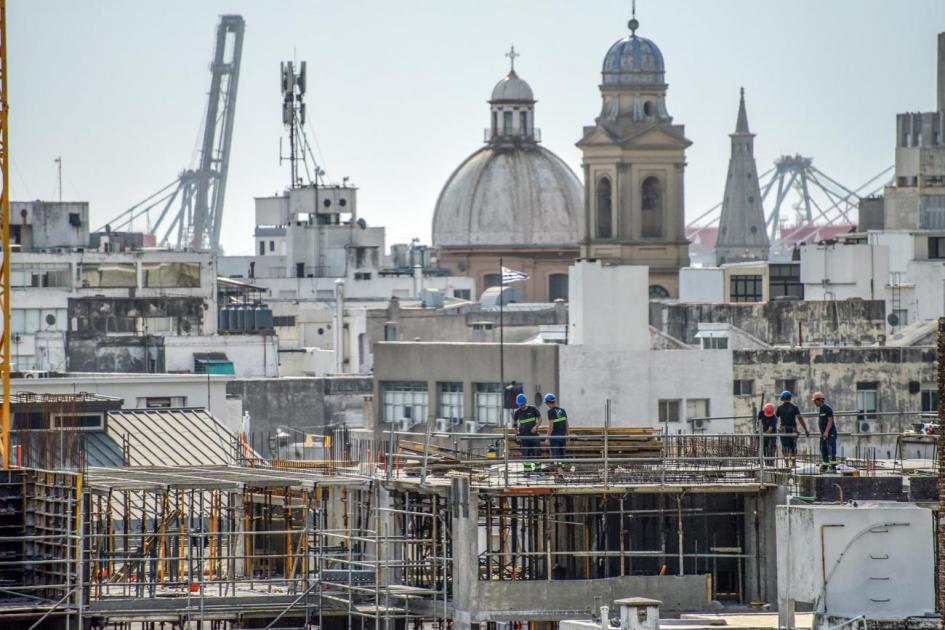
x=634 y=23
x=293 y=116
x=512 y=55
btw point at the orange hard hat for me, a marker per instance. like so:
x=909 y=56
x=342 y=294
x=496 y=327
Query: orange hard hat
x=768 y=410
x=817 y=395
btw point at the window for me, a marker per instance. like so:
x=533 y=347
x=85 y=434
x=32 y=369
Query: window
x=39 y=275
x=937 y=247
x=362 y=275
x=604 y=211
x=715 y=343
x=523 y=123
x=669 y=410
x=744 y=387
x=929 y=400
x=697 y=408
x=462 y=294
x=495 y=123
x=171 y=275
x=867 y=400
x=902 y=316
x=404 y=399
x=272 y=246
x=558 y=287
x=108 y=275
x=32 y=320
x=648 y=108
x=262 y=248
x=507 y=123
x=785 y=385
x=283 y=320
x=745 y=289
x=390 y=332
x=162 y=402
x=77 y=422
x=658 y=292
x=488 y=402
x=651 y=204
x=451 y=402
x=785 y=281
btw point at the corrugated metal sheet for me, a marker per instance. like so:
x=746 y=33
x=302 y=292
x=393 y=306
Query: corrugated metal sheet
x=164 y=437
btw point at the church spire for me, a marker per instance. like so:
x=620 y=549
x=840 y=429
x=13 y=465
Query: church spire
x=741 y=125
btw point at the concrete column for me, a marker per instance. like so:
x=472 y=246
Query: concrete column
x=465 y=554
x=941 y=72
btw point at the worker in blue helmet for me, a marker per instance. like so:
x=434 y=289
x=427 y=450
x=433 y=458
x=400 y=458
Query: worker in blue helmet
x=788 y=416
x=527 y=419
x=557 y=428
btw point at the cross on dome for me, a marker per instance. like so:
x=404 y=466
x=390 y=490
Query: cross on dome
x=512 y=55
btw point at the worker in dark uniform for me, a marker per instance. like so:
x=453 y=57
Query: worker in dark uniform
x=527 y=419
x=828 y=433
x=788 y=416
x=768 y=427
x=557 y=429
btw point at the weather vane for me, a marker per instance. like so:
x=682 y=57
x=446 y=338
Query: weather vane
x=634 y=24
x=512 y=55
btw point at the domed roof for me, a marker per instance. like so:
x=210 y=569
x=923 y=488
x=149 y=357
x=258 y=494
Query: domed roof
x=512 y=88
x=633 y=60
x=523 y=197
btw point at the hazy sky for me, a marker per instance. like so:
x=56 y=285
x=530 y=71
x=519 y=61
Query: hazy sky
x=397 y=90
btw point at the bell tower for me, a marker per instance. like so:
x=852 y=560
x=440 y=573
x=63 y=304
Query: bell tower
x=634 y=161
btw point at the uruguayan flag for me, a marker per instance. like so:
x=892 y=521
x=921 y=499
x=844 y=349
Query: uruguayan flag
x=510 y=275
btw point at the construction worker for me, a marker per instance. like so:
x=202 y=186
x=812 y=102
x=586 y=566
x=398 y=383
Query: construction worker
x=768 y=426
x=828 y=433
x=788 y=416
x=557 y=428
x=527 y=418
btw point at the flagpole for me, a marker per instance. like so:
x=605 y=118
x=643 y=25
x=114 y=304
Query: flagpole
x=502 y=339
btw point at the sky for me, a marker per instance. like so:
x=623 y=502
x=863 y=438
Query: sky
x=397 y=90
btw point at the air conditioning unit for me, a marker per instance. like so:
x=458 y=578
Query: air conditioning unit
x=470 y=426
x=443 y=425
x=864 y=427
x=402 y=425
x=697 y=424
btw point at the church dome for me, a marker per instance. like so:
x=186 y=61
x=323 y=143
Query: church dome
x=512 y=88
x=633 y=60
x=521 y=197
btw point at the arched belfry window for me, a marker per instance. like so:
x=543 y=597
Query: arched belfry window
x=651 y=198
x=604 y=209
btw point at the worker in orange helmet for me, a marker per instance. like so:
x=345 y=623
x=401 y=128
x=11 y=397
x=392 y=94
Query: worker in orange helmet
x=828 y=433
x=768 y=425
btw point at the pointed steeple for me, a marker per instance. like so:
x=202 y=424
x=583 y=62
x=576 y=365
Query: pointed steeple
x=742 y=234
x=741 y=125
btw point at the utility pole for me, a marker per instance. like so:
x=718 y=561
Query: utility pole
x=58 y=162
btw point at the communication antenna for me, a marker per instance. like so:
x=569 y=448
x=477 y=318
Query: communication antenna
x=293 y=116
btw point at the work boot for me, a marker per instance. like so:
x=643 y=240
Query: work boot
x=822 y=469
x=833 y=467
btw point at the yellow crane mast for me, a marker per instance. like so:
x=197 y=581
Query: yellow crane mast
x=5 y=366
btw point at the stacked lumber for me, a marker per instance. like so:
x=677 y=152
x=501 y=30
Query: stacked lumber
x=621 y=442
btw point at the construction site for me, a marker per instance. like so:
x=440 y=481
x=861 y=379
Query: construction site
x=393 y=530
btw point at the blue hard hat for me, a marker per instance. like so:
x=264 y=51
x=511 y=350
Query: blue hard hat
x=521 y=399
x=549 y=397
x=785 y=394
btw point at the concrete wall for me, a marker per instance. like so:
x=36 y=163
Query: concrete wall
x=514 y=600
x=301 y=403
x=836 y=372
x=46 y=224
x=779 y=322
x=874 y=560
x=533 y=365
x=608 y=306
x=252 y=355
x=698 y=284
x=635 y=382
x=840 y=271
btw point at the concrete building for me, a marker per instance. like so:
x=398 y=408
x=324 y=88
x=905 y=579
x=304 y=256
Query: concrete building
x=615 y=359
x=49 y=225
x=634 y=165
x=512 y=199
x=742 y=234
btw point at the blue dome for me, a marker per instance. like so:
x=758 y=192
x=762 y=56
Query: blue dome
x=633 y=60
